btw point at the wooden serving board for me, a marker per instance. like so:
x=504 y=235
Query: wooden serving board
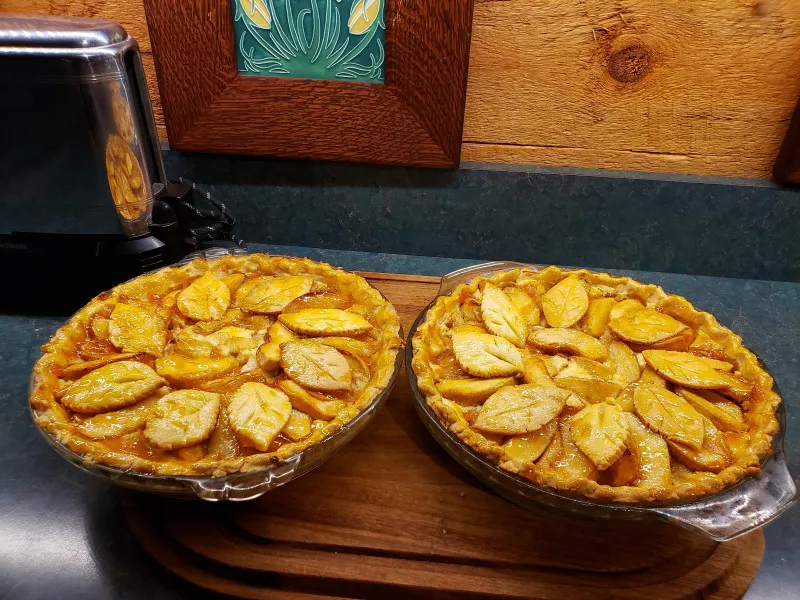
x=393 y=516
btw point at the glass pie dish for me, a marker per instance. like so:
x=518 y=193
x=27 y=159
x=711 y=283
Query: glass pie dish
x=249 y=472
x=733 y=511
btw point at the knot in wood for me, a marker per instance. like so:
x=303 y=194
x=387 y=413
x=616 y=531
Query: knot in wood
x=629 y=64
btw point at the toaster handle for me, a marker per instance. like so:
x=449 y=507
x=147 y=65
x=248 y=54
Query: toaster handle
x=133 y=60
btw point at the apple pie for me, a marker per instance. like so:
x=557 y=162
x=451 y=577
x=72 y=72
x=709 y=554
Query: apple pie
x=595 y=385
x=216 y=366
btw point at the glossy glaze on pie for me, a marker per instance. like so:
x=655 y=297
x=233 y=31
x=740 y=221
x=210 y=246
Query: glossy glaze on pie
x=595 y=385
x=216 y=366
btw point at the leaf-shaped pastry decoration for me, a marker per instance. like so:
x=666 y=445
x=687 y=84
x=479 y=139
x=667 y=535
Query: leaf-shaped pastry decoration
x=356 y=348
x=678 y=342
x=182 y=419
x=572 y=464
x=99 y=327
x=184 y=370
x=191 y=453
x=279 y=333
x=205 y=299
x=110 y=387
x=325 y=321
x=723 y=413
x=601 y=433
x=223 y=442
x=315 y=365
x=486 y=355
x=719 y=365
x=555 y=450
x=526 y=305
x=738 y=389
x=458 y=412
x=597 y=316
x=565 y=303
x=650 y=377
x=569 y=340
x=192 y=344
x=588 y=387
x=268 y=356
x=471 y=391
x=520 y=409
x=703 y=345
x=136 y=329
x=298 y=427
x=470 y=311
x=713 y=456
x=651 y=453
x=669 y=414
x=313 y=405
x=645 y=326
x=530 y=446
x=686 y=369
x=555 y=364
x=501 y=317
x=258 y=413
x=270 y=295
x=467 y=329
x=233 y=340
x=117 y=423
x=534 y=370
x=625 y=471
x=585 y=367
x=233 y=281
x=80 y=368
x=623 y=307
x=624 y=399
x=321 y=299
x=626 y=366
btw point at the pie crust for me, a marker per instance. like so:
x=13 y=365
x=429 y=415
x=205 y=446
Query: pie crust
x=167 y=374
x=607 y=389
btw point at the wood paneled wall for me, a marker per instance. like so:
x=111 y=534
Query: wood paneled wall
x=703 y=86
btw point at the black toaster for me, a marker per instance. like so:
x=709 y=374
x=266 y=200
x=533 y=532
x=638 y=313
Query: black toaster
x=84 y=200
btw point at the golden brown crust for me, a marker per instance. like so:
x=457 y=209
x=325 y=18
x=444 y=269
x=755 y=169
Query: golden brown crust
x=61 y=350
x=759 y=409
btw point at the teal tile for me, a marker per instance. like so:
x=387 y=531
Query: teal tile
x=310 y=39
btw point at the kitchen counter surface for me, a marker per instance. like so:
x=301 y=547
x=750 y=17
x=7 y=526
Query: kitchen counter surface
x=62 y=534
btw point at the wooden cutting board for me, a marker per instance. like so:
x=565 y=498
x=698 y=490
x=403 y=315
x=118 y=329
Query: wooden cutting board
x=393 y=516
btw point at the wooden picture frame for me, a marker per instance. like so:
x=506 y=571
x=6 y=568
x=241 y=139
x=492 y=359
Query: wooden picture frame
x=787 y=163
x=414 y=118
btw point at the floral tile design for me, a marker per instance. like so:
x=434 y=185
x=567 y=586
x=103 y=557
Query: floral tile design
x=310 y=39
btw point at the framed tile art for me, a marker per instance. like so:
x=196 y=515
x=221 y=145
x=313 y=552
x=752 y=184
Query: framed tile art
x=310 y=39
x=379 y=81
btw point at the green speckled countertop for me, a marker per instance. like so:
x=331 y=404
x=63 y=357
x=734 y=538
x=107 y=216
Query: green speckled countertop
x=62 y=534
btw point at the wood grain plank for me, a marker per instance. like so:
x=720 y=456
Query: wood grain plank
x=731 y=165
x=176 y=560
x=706 y=88
x=260 y=583
x=426 y=574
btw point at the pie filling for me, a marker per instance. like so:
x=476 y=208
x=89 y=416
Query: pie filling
x=595 y=385
x=216 y=366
